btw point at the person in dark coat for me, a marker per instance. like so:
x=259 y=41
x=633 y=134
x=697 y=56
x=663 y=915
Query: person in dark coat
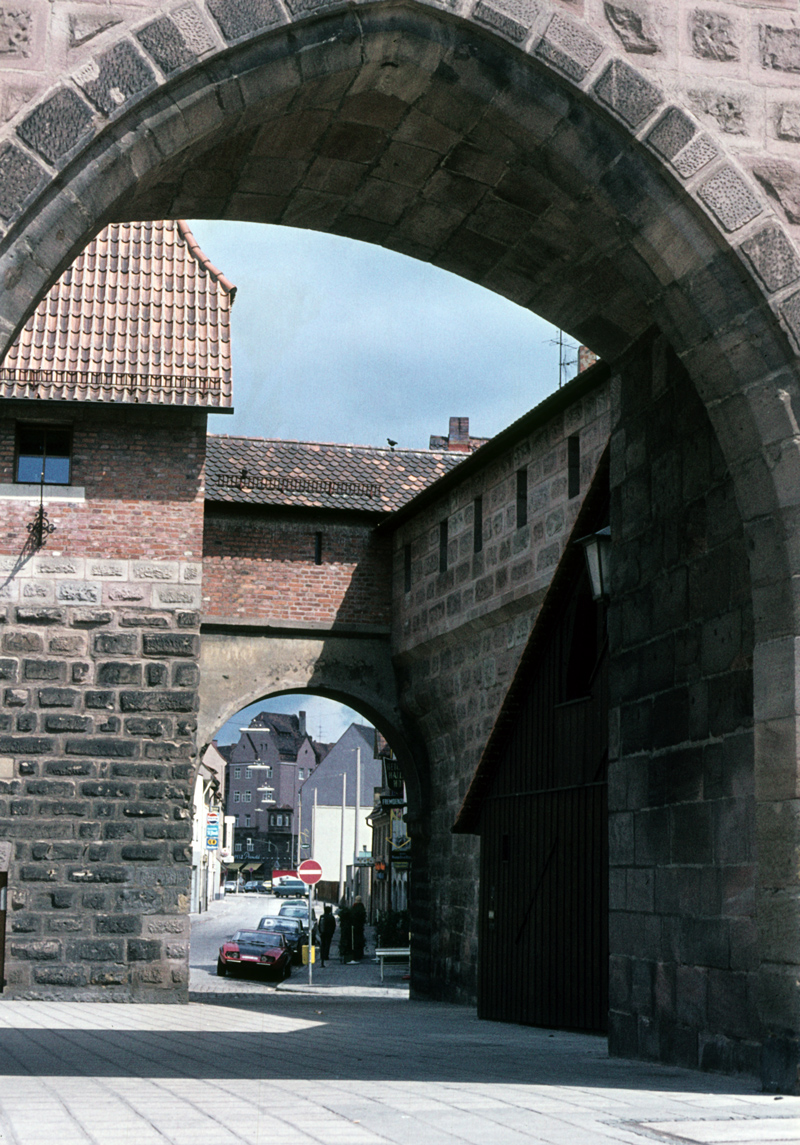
x=358 y=920
x=327 y=925
x=345 y=932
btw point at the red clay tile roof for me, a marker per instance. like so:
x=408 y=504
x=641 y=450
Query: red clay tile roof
x=140 y=316
x=263 y=471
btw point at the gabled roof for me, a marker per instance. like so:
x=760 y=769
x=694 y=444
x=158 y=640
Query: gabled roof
x=140 y=316
x=265 y=471
x=595 y=505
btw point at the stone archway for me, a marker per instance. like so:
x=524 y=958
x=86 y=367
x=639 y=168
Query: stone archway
x=517 y=145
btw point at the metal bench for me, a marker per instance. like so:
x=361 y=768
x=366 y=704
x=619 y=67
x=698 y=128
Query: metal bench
x=383 y=952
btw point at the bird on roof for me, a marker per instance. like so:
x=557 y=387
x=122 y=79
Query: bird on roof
x=392 y=444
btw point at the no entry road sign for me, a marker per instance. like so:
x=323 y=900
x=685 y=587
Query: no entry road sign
x=310 y=872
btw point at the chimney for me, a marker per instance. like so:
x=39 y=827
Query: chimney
x=301 y=720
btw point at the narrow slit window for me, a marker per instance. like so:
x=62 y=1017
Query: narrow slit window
x=43 y=451
x=522 y=497
x=477 y=526
x=573 y=465
x=318 y=548
x=443 y=546
x=406 y=568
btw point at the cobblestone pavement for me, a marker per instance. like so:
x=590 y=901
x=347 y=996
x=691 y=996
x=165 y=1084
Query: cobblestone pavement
x=250 y=1064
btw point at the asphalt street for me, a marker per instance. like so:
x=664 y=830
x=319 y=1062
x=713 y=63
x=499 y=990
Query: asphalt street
x=337 y=1065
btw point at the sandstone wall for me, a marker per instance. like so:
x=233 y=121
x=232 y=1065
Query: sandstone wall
x=99 y=633
x=685 y=949
x=457 y=639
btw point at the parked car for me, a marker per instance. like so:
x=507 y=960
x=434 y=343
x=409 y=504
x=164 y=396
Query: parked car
x=264 y=950
x=293 y=909
x=294 y=930
x=290 y=888
x=231 y=885
x=252 y=885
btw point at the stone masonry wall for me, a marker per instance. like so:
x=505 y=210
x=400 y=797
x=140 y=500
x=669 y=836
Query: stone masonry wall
x=261 y=568
x=683 y=940
x=98 y=694
x=457 y=639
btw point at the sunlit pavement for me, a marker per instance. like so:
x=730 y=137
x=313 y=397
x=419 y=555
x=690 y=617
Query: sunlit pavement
x=250 y=1064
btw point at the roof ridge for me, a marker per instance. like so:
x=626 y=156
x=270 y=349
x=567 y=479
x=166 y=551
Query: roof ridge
x=203 y=260
x=334 y=444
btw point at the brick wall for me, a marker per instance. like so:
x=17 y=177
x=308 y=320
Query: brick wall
x=684 y=954
x=263 y=569
x=142 y=475
x=457 y=639
x=99 y=633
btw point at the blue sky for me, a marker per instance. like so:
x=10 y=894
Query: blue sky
x=326 y=720
x=337 y=340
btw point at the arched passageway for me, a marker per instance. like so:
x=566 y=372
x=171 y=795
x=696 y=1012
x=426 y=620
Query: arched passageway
x=521 y=150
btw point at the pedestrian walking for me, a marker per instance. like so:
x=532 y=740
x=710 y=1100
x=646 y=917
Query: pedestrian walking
x=358 y=920
x=327 y=925
x=345 y=932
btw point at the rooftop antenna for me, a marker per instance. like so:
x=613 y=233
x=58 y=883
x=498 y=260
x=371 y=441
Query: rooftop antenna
x=565 y=363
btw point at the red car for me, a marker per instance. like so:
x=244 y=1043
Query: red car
x=258 y=950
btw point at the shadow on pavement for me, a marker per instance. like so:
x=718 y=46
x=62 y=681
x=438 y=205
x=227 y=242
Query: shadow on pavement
x=313 y=1038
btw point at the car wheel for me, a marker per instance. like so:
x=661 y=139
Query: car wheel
x=222 y=969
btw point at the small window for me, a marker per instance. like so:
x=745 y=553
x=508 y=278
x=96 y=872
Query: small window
x=272 y=820
x=237 y=773
x=250 y=844
x=236 y=797
x=43 y=450
x=573 y=465
x=247 y=820
x=248 y=773
x=477 y=526
x=301 y=773
x=237 y=846
x=406 y=568
x=443 y=546
x=522 y=497
x=247 y=797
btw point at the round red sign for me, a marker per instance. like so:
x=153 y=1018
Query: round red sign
x=310 y=872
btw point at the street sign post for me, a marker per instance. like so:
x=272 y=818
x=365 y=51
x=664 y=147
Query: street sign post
x=310 y=872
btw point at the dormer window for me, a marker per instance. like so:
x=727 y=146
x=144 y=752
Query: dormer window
x=43 y=449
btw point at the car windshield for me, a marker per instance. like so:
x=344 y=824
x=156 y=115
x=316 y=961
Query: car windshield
x=294 y=911
x=254 y=937
x=282 y=925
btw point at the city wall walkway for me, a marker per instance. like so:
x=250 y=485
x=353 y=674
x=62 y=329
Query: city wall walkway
x=295 y=1068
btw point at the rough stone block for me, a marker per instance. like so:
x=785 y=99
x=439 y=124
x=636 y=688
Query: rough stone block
x=40 y=615
x=773 y=258
x=60 y=976
x=107 y=748
x=115 y=76
x=118 y=924
x=113 y=672
x=57 y=125
x=729 y=199
x=157 y=701
x=144 y=950
x=511 y=18
x=170 y=644
x=780 y=48
x=627 y=93
x=165 y=43
x=672 y=132
x=240 y=18
x=20 y=178
x=569 y=47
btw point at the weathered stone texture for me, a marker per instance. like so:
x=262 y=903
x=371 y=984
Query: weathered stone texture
x=681 y=794
x=458 y=636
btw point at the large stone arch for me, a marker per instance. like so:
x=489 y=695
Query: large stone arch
x=552 y=152
x=237 y=669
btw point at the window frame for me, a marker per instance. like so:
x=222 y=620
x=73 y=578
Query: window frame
x=45 y=428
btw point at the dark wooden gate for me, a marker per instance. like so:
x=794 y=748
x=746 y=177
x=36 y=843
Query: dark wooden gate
x=544 y=835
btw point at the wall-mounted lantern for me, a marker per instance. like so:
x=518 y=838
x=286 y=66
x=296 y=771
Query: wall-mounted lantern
x=597 y=550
